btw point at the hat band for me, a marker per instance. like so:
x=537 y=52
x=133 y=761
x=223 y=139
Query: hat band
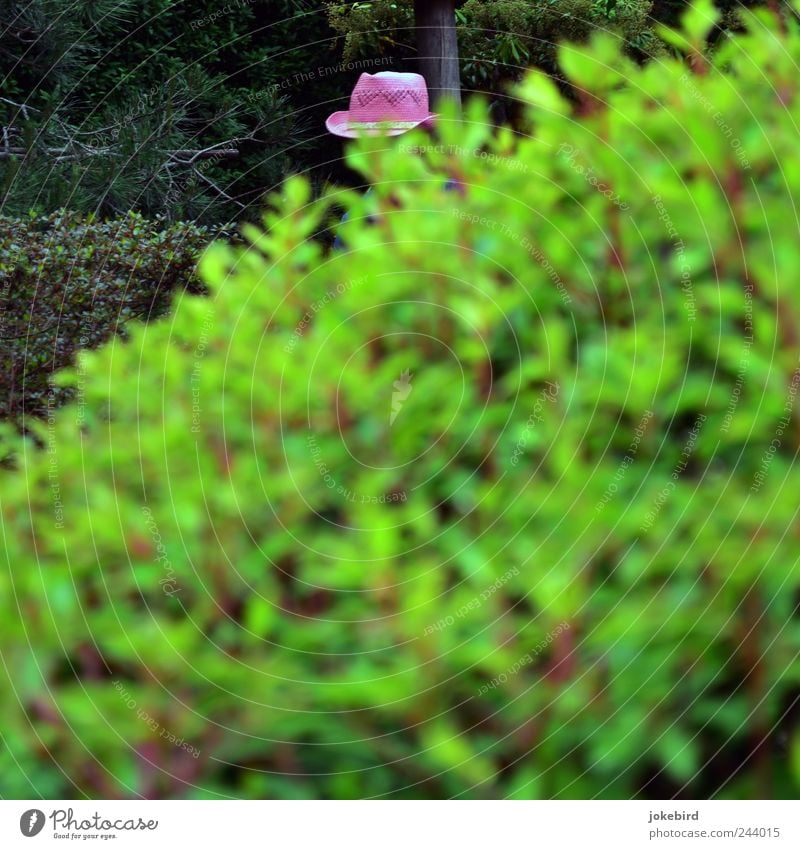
x=374 y=125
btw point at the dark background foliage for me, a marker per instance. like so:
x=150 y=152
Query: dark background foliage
x=149 y=77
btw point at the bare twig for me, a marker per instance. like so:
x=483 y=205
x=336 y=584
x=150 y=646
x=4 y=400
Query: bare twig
x=217 y=188
x=212 y=151
x=21 y=106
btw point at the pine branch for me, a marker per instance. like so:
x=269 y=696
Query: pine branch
x=64 y=153
x=217 y=188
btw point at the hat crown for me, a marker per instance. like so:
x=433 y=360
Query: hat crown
x=389 y=96
x=387 y=103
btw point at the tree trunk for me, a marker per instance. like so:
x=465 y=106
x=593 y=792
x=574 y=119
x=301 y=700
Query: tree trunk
x=437 y=46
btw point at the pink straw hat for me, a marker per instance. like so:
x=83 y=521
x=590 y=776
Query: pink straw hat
x=386 y=103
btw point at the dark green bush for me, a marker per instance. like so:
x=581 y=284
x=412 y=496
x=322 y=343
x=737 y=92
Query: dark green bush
x=69 y=282
x=498 y=502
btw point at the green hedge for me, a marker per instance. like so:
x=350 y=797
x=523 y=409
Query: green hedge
x=499 y=502
x=69 y=282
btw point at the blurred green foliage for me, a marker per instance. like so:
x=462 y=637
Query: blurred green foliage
x=567 y=566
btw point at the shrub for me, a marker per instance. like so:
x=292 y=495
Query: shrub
x=69 y=282
x=497 y=503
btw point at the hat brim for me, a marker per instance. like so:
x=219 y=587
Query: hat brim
x=340 y=125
